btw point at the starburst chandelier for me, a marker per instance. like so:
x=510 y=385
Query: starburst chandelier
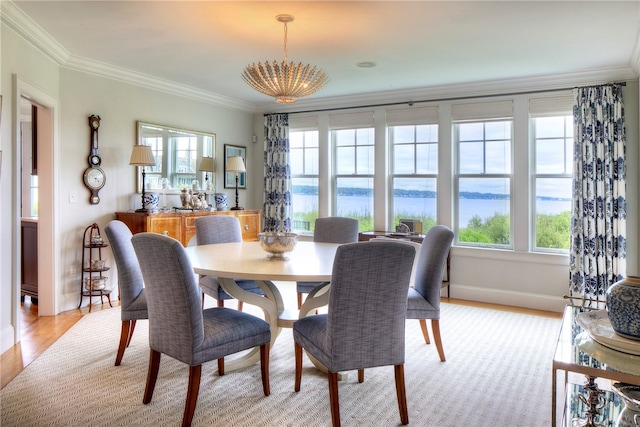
x=284 y=81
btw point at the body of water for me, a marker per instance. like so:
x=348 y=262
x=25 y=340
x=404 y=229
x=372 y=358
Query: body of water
x=484 y=208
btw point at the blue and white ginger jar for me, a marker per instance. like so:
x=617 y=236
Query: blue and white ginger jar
x=623 y=307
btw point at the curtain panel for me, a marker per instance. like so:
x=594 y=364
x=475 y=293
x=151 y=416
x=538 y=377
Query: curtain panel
x=598 y=225
x=277 y=174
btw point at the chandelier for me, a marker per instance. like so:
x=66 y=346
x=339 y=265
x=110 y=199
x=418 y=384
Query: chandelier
x=284 y=81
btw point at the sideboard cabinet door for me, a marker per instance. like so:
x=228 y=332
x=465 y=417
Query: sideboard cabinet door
x=181 y=225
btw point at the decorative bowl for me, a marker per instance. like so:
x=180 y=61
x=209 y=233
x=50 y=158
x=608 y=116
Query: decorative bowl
x=277 y=243
x=97 y=264
x=99 y=283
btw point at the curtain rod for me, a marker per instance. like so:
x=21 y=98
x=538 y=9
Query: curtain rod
x=456 y=98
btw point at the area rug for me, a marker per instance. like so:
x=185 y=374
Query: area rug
x=497 y=373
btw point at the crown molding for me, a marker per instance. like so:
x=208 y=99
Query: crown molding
x=29 y=30
x=489 y=88
x=12 y=16
x=25 y=27
x=635 y=56
x=114 y=72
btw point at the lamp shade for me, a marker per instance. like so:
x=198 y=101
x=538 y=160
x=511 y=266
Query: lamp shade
x=142 y=155
x=235 y=164
x=206 y=164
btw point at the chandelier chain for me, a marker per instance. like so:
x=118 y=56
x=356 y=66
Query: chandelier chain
x=285 y=41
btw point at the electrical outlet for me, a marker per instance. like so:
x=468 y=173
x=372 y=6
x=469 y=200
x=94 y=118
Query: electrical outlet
x=73 y=197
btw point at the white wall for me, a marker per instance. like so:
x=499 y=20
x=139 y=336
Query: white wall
x=119 y=105
x=511 y=278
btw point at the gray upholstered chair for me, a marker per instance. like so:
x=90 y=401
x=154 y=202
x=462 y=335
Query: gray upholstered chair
x=365 y=324
x=424 y=297
x=332 y=229
x=221 y=229
x=180 y=328
x=133 y=299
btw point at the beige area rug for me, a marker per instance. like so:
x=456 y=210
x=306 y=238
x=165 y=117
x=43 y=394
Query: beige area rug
x=497 y=373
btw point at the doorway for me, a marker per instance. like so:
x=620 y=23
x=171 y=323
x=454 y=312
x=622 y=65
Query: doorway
x=46 y=248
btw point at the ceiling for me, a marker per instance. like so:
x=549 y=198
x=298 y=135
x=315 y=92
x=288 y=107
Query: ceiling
x=416 y=45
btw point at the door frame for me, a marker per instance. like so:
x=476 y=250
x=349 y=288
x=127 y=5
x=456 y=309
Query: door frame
x=48 y=216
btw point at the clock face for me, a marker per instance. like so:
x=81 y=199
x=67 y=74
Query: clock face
x=95 y=160
x=94 y=178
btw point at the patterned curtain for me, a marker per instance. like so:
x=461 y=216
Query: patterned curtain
x=598 y=224
x=277 y=174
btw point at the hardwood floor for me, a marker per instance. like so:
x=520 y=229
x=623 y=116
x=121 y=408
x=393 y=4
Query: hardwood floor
x=38 y=333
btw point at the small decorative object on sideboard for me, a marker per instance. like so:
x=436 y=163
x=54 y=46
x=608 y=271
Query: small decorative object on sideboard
x=623 y=307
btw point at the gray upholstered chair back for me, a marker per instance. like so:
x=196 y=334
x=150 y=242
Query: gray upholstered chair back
x=218 y=229
x=368 y=304
x=335 y=229
x=130 y=281
x=431 y=261
x=173 y=296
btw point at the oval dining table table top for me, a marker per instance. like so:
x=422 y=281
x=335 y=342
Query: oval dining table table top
x=309 y=261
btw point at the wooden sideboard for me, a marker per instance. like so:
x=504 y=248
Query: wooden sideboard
x=181 y=224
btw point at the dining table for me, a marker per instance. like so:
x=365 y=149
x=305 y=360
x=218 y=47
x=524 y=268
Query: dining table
x=308 y=262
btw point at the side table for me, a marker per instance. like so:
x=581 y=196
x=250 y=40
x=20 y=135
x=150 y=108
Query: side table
x=596 y=364
x=418 y=238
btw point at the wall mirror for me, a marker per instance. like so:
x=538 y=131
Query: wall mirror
x=178 y=154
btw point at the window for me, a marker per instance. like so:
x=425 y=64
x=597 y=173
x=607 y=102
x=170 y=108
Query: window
x=414 y=173
x=303 y=158
x=553 y=165
x=354 y=169
x=484 y=182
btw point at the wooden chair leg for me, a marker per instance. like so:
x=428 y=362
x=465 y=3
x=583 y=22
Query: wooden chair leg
x=360 y=375
x=152 y=375
x=264 y=368
x=240 y=305
x=192 y=395
x=203 y=300
x=333 y=398
x=425 y=332
x=402 y=394
x=298 y=357
x=299 y=300
x=131 y=329
x=435 y=326
x=220 y=303
x=221 y=366
x=124 y=336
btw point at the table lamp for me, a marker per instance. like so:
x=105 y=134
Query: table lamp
x=142 y=156
x=206 y=166
x=235 y=164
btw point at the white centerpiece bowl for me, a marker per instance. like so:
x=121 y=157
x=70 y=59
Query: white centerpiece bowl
x=277 y=244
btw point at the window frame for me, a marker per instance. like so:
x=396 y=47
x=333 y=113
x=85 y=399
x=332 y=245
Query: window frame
x=533 y=247
x=458 y=175
x=392 y=166
x=307 y=228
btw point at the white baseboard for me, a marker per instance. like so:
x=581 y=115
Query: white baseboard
x=6 y=341
x=511 y=298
